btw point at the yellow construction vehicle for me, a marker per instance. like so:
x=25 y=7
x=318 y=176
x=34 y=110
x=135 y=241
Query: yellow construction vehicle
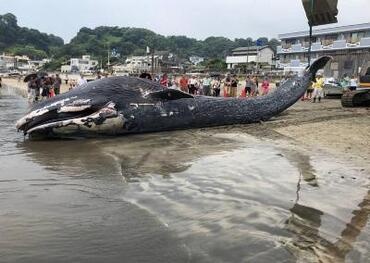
x=361 y=96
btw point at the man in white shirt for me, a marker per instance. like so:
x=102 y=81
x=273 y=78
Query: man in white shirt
x=81 y=81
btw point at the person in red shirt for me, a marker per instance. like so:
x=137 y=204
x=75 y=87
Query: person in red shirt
x=164 y=80
x=184 y=83
x=265 y=87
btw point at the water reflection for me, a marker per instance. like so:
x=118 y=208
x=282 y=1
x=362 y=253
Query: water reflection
x=132 y=156
x=226 y=205
x=307 y=242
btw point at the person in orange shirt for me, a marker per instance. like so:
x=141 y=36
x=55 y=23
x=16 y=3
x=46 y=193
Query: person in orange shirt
x=184 y=83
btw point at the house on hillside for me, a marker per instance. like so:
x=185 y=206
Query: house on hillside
x=195 y=60
x=163 y=62
x=80 y=64
x=8 y=61
x=244 y=55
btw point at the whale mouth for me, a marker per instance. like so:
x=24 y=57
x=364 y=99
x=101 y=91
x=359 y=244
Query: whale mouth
x=67 y=119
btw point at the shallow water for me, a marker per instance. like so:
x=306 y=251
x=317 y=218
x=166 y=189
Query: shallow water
x=209 y=195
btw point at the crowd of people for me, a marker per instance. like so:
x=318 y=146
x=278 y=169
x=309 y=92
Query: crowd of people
x=315 y=93
x=42 y=87
x=213 y=85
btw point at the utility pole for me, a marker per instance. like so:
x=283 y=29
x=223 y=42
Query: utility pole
x=319 y=12
x=152 y=61
x=310 y=35
x=246 y=67
x=108 y=60
x=257 y=60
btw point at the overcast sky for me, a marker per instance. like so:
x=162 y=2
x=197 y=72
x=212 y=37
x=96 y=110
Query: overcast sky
x=193 y=18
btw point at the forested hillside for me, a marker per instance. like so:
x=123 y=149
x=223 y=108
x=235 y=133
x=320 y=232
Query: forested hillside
x=24 y=41
x=124 y=41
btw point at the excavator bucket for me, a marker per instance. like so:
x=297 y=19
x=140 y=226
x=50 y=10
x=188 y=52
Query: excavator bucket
x=321 y=12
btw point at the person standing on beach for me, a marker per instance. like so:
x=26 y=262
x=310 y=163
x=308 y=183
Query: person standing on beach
x=255 y=82
x=46 y=86
x=184 y=83
x=227 y=86
x=0 y=83
x=98 y=76
x=82 y=80
x=193 y=85
x=234 y=86
x=207 y=86
x=318 y=88
x=353 y=83
x=216 y=87
x=248 y=87
x=164 y=81
x=265 y=86
x=57 y=84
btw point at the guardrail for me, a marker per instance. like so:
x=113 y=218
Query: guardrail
x=318 y=46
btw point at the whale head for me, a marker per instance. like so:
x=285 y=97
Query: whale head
x=97 y=107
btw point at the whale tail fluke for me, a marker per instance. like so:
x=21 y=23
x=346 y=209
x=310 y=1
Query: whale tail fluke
x=318 y=64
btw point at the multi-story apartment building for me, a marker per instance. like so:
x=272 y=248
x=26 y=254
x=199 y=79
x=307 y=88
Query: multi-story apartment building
x=348 y=45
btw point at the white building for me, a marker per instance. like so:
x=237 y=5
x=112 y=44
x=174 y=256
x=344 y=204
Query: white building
x=136 y=64
x=21 y=63
x=245 y=55
x=80 y=64
x=348 y=45
x=195 y=60
x=8 y=61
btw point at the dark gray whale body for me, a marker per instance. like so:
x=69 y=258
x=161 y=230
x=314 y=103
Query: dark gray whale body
x=126 y=105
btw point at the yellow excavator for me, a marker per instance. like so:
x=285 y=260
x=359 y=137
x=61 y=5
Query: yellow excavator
x=361 y=96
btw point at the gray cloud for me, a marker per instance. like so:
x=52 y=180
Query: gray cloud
x=193 y=18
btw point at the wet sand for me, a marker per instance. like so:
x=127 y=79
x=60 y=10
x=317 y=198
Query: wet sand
x=293 y=189
x=328 y=127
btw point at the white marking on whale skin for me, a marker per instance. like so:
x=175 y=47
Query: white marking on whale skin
x=191 y=107
x=30 y=116
x=41 y=111
x=137 y=105
x=144 y=93
x=70 y=108
x=76 y=106
x=111 y=124
x=171 y=113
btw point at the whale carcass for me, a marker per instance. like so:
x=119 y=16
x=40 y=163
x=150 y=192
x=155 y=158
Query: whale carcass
x=126 y=105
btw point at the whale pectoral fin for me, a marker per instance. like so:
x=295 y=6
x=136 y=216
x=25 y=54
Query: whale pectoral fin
x=169 y=94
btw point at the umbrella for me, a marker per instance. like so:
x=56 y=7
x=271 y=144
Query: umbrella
x=40 y=74
x=29 y=77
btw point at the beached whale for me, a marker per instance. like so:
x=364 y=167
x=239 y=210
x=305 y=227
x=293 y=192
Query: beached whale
x=126 y=105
